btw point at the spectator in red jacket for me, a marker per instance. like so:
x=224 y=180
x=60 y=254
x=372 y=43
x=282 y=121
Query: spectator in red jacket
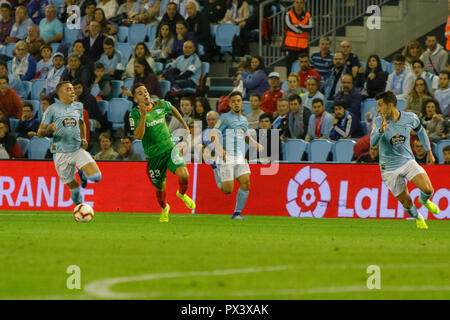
x=9 y=143
x=270 y=98
x=306 y=70
x=10 y=102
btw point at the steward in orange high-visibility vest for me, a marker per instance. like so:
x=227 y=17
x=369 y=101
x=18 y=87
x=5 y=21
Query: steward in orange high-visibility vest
x=447 y=33
x=296 y=31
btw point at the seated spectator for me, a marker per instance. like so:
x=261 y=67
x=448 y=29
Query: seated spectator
x=6 y=22
x=107 y=28
x=214 y=10
x=352 y=99
x=432 y=120
x=412 y=51
x=199 y=25
x=162 y=47
x=361 y=146
x=185 y=71
x=23 y=64
x=345 y=124
x=94 y=42
x=298 y=118
x=443 y=93
x=333 y=84
x=144 y=74
x=419 y=152
x=187 y=112
x=8 y=143
x=3 y=117
x=350 y=59
x=369 y=157
x=55 y=74
x=270 y=97
x=212 y=118
x=182 y=36
x=263 y=135
x=401 y=81
x=294 y=87
x=181 y=5
x=306 y=70
x=201 y=109
x=312 y=85
x=126 y=152
x=109 y=7
x=28 y=125
x=320 y=122
x=10 y=102
x=431 y=80
x=19 y=30
x=446 y=152
x=34 y=42
x=46 y=101
x=89 y=16
x=45 y=64
x=36 y=10
x=75 y=70
x=50 y=27
x=238 y=11
x=13 y=81
x=146 y=12
x=140 y=51
x=85 y=60
x=322 y=61
x=122 y=16
x=417 y=96
x=112 y=59
x=435 y=57
x=373 y=79
x=171 y=17
x=281 y=121
x=106 y=150
x=102 y=88
x=256 y=80
x=253 y=117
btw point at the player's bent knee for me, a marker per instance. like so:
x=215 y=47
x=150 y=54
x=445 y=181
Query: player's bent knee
x=96 y=177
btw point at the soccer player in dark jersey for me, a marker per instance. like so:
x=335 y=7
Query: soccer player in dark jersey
x=148 y=121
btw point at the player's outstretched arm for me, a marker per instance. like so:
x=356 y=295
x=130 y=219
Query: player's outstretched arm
x=82 y=127
x=178 y=116
x=377 y=131
x=46 y=130
x=215 y=140
x=252 y=142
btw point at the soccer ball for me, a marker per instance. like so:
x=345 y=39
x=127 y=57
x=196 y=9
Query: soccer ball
x=83 y=213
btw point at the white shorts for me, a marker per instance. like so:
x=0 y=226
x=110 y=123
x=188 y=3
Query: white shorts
x=65 y=163
x=232 y=171
x=395 y=180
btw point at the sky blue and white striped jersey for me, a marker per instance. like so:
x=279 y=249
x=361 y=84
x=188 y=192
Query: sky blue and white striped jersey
x=234 y=128
x=66 y=138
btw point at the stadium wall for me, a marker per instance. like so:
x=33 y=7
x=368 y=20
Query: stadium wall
x=298 y=190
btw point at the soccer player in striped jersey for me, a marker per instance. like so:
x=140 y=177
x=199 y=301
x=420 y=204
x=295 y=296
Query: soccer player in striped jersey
x=148 y=121
x=391 y=131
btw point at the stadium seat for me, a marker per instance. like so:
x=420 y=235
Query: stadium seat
x=440 y=150
x=401 y=104
x=163 y=7
x=70 y=35
x=124 y=49
x=122 y=34
x=38 y=147
x=225 y=33
x=36 y=89
x=329 y=106
x=246 y=108
x=284 y=86
x=2 y=49
x=36 y=106
x=103 y=105
x=136 y=33
x=319 y=150
x=9 y=65
x=151 y=33
x=27 y=87
x=54 y=46
x=116 y=84
x=294 y=149
x=295 y=67
x=343 y=151
x=13 y=123
x=369 y=105
x=116 y=111
x=128 y=83
x=165 y=87
x=200 y=50
x=24 y=145
x=364 y=126
x=158 y=66
x=387 y=66
x=205 y=71
x=139 y=148
x=9 y=49
x=213 y=30
x=58 y=3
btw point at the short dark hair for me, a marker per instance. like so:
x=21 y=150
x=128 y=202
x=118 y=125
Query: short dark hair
x=135 y=86
x=339 y=103
x=255 y=95
x=5 y=5
x=108 y=42
x=29 y=105
x=235 y=93
x=266 y=115
x=127 y=137
x=399 y=58
x=295 y=97
x=76 y=82
x=303 y=55
x=181 y=22
x=78 y=41
x=60 y=84
x=445 y=72
x=387 y=97
x=45 y=46
x=6 y=78
x=419 y=62
x=49 y=98
x=316 y=100
x=446 y=148
x=3 y=63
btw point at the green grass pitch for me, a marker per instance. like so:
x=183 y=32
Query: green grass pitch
x=133 y=256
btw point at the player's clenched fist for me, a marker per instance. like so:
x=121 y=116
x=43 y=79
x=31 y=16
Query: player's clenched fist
x=384 y=124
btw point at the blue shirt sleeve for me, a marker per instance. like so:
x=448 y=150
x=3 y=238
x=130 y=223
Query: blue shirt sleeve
x=47 y=118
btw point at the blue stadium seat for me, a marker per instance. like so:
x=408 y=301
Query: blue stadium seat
x=294 y=149
x=24 y=145
x=369 y=105
x=9 y=66
x=295 y=67
x=13 y=123
x=246 y=108
x=165 y=87
x=27 y=86
x=401 y=104
x=128 y=83
x=139 y=148
x=151 y=33
x=36 y=89
x=116 y=111
x=329 y=106
x=136 y=33
x=2 y=49
x=387 y=66
x=9 y=49
x=285 y=86
x=103 y=105
x=213 y=30
x=70 y=35
x=205 y=72
x=158 y=66
x=36 y=106
x=116 y=84
x=124 y=49
x=58 y=3
x=122 y=34
x=38 y=147
x=364 y=126
x=440 y=150
x=343 y=151
x=319 y=150
x=54 y=46
x=225 y=33
x=163 y=7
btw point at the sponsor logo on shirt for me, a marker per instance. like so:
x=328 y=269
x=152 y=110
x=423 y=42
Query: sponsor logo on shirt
x=398 y=139
x=69 y=122
x=155 y=122
x=158 y=111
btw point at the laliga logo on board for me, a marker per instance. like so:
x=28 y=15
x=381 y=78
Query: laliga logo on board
x=306 y=184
